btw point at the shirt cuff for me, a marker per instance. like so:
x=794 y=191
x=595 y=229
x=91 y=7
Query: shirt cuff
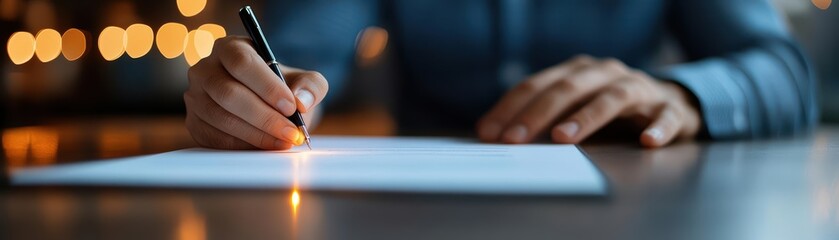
x=721 y=100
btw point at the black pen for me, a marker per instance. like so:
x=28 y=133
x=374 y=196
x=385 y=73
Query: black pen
x=261 y=45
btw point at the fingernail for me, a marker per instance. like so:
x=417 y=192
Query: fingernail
x=569 y=129
x=655 y=133
x=516 y=134
x=286 y=107
x=290 y=134
x=306 y=98
x=490 y=131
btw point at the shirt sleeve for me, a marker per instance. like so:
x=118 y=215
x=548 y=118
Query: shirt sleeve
x=319 y=35
x=747 y=73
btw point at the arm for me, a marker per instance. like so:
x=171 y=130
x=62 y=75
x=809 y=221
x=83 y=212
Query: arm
x=234 y=101
x=748 y=75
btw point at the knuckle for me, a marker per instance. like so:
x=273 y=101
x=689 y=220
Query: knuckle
x=226 y=93
x=266 y=141
x=672 y=110
x=239 y=56
x=268 y=122
x=274 y=90
x=585 y=116
x=313 y=75
x=582 y=58
x=620 y=93
x=229 y=121
x=600 y=107
x=613 y=65
x=528 y=87
x=637 y=74
x=567 y=86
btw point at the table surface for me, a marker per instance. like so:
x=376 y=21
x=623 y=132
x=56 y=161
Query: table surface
x=785 y=188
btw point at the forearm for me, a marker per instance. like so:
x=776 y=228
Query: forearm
x=764 y=90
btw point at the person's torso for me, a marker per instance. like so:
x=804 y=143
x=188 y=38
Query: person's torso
x=459 y=57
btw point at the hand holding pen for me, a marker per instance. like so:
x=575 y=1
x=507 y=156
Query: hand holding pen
x=236 y=101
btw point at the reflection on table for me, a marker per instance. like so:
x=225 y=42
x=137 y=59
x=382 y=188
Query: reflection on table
x=762 y=189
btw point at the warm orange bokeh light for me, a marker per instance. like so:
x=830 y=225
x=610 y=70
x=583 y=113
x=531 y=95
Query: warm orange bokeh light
x=171 y=39
x=215 y=29
x=199 y=44
x=191 y=8
x=47 y=45
x=73 y=44
x=16 y=146
x=44 y=145
x=21 y=47
x=140 y=40
x=295 y=199
x=19 y=142
x=118 y=142
x=371 y=43
x=191 y=224
x=112 y=43
x=822 y=4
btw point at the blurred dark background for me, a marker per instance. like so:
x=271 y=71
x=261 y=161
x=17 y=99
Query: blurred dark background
x=34 y=92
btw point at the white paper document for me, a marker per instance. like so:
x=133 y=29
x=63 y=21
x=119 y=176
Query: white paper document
x=390 y=164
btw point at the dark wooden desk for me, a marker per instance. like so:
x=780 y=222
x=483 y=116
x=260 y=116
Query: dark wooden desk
x=765 y=189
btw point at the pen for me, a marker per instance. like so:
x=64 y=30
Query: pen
x=264 y=51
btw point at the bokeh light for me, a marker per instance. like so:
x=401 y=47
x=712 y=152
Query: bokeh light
x=112 y=43
x=191 y=8
x=47 y=45
x=73 y=44
x=295 y=199
x=38 y=142
x=372 y=41
x=140 y=40
x=170 y=39
x=215 y=29
x=199 y=44
x=16 y=146
x=822 y=4
x=21 y=47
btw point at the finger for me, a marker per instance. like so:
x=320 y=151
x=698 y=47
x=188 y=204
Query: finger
x=597 y=113
x=238 y=100
x=309 y=88
x=557 y=100
x=663 y=130
x=240 y=59
x=207 y=110
x=208 y=136
x=491 y=125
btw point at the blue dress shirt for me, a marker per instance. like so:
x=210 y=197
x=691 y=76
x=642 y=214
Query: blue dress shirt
x=458 y=57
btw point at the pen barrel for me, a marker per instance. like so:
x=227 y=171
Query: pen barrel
x=261 y=46
x=297 y=119
x=275 y=67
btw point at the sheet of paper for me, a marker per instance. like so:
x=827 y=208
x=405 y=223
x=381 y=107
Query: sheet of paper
x=393 y=164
